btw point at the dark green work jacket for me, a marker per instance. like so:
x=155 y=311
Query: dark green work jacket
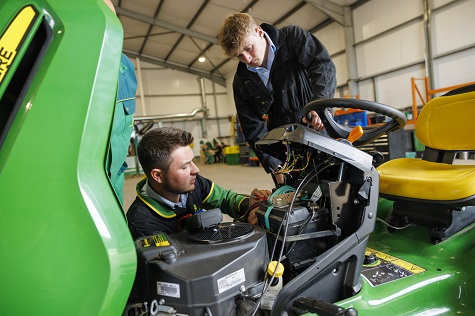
x=147 y=216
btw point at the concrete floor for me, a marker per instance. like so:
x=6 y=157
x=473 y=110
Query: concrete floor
x=239 y=178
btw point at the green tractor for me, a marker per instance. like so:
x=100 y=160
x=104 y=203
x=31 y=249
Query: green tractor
x=352 y=238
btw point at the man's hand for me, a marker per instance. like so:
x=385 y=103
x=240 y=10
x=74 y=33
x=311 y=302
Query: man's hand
x=252 y=218
x=279 y=177
x=257 y=197
x=316 y=122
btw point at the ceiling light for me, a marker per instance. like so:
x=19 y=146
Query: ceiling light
x=202 y=59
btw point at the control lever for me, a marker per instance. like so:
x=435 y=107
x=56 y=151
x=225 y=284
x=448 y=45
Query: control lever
x=355 y=134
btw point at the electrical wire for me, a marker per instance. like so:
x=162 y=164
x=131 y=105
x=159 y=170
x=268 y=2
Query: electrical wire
x=392 y=226
x=304 y=182
x=289 y=165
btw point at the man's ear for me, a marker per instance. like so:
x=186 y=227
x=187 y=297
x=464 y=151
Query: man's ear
x=259 y=31
x=157 y=175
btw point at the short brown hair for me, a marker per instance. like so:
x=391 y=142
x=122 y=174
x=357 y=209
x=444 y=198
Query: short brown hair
x=235 y=28
x=157 y=145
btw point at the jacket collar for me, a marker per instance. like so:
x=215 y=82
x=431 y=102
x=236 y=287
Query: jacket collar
x=154 y=205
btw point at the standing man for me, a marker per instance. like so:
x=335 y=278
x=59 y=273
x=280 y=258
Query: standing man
x=280 y=71
x=173 y=190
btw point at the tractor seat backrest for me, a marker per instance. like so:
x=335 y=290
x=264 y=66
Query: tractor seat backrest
x=447 y=122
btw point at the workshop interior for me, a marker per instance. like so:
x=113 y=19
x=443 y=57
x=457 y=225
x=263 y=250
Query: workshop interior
x=376 y=215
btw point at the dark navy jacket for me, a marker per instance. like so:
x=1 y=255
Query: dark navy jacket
x=302 y=71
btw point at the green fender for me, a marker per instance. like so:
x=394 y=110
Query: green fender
x=64 y=243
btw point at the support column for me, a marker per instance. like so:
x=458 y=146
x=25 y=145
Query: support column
x=353 y=86
x=140 y=86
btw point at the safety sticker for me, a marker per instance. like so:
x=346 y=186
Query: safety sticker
x=231 y=280
x=168 y=289
x=13 y=38
x=387 y=268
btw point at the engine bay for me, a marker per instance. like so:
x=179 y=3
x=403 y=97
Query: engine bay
x=316 y=225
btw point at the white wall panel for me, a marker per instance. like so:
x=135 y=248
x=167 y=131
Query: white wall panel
x=168 y=81
x=332 y=37
x=377 y=16
x=395 y=90
x=367 y=90
x=391 y=51
x=161 y=105
x=455 y=69
x=341 y=69
x=453 y=27
x=217 y=88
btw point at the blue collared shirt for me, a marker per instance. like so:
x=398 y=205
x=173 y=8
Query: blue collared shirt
x=264 y=72
x=154 y=195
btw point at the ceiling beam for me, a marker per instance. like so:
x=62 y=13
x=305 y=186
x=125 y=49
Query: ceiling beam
x=329 y=8
x=166 y=25
x=152 y=60
x=289 y=13
x=150 y=27
x=193 y=20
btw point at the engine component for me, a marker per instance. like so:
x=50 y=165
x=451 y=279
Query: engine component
x=308 y=234
x=184 y=272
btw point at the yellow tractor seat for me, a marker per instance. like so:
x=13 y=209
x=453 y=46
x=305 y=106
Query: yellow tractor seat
x=426 y=180
x=427 y=191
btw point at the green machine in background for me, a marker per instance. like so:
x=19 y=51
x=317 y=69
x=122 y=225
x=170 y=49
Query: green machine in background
x=65 y=247
x=353 y=238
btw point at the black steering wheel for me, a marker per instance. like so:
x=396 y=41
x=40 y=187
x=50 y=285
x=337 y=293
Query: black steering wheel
x=336 y=130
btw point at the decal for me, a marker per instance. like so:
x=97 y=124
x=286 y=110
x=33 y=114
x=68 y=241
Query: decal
x=13 y=38
x=158 y=240
x=231 y=280
x=387 y=268
x=168 y=289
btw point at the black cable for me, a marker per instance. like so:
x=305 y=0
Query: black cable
x=304 y=182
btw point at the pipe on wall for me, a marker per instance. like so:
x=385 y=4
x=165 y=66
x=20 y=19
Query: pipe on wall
x=168 y=116
x=204 y=126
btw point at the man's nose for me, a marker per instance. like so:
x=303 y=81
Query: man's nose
x=195 y=169
x=246 y=58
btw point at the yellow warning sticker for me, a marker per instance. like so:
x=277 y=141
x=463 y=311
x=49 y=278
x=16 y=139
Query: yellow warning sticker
x=399 y=262
x=12 y=39
x=387 y=268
